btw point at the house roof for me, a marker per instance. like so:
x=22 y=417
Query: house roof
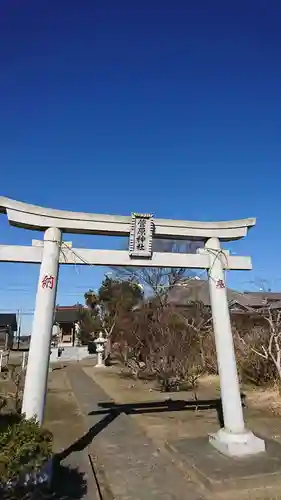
x=8 y=320
x=68 y=314
x=276 y=304
x=198 y=290
x=266 y=296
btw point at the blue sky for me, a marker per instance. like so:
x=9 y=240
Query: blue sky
x=164 y=107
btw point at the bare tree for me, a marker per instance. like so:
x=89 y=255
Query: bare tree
x=158 y=281
x=159 y=343
x=173 y=352
x=198 y=318
x=271 y=350
x=264 y=342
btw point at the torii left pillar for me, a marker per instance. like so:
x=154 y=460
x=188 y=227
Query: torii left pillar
x=39 y=353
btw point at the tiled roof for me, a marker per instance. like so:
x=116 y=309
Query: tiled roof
x=8 y=320
x=68 y=314
x=275 y=305
x=269 y=296
x=198 y=290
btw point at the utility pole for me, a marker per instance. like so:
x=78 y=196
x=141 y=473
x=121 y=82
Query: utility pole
x=19 y=328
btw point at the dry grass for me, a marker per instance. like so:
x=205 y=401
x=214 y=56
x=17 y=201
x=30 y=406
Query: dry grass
x=62 y=416
x=159 y=426
x=167 y=426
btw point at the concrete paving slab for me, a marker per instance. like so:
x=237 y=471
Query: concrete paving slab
x=253 y=477
x=134 y=468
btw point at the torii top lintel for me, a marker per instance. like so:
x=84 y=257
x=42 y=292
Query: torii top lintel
x=38 y=218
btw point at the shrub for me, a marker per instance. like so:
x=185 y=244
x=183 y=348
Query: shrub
x=3 y=402
x=161 y=343
x=253 y=367
x=177 y=345
x=12 y=399
x=24 y=448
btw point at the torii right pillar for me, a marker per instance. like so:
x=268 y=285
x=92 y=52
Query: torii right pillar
x=233 y=439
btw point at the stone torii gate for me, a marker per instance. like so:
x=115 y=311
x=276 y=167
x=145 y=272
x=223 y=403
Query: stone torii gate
x=234 y=439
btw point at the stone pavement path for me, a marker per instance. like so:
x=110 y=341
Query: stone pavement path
x=74 y=479
x=134 y=469
x=73 y=476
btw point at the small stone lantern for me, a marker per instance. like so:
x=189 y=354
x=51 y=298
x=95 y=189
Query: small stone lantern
x=100 y=341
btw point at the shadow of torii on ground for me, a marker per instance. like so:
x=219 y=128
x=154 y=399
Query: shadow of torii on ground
x=111 y=410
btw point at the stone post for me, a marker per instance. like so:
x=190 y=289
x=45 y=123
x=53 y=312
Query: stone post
x=233 y=439
x=39 y=352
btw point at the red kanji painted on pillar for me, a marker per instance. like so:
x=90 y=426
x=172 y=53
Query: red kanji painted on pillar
x=48 y=281
x=220 y=284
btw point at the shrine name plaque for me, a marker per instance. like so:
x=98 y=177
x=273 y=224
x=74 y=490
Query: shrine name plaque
x=141 y=236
